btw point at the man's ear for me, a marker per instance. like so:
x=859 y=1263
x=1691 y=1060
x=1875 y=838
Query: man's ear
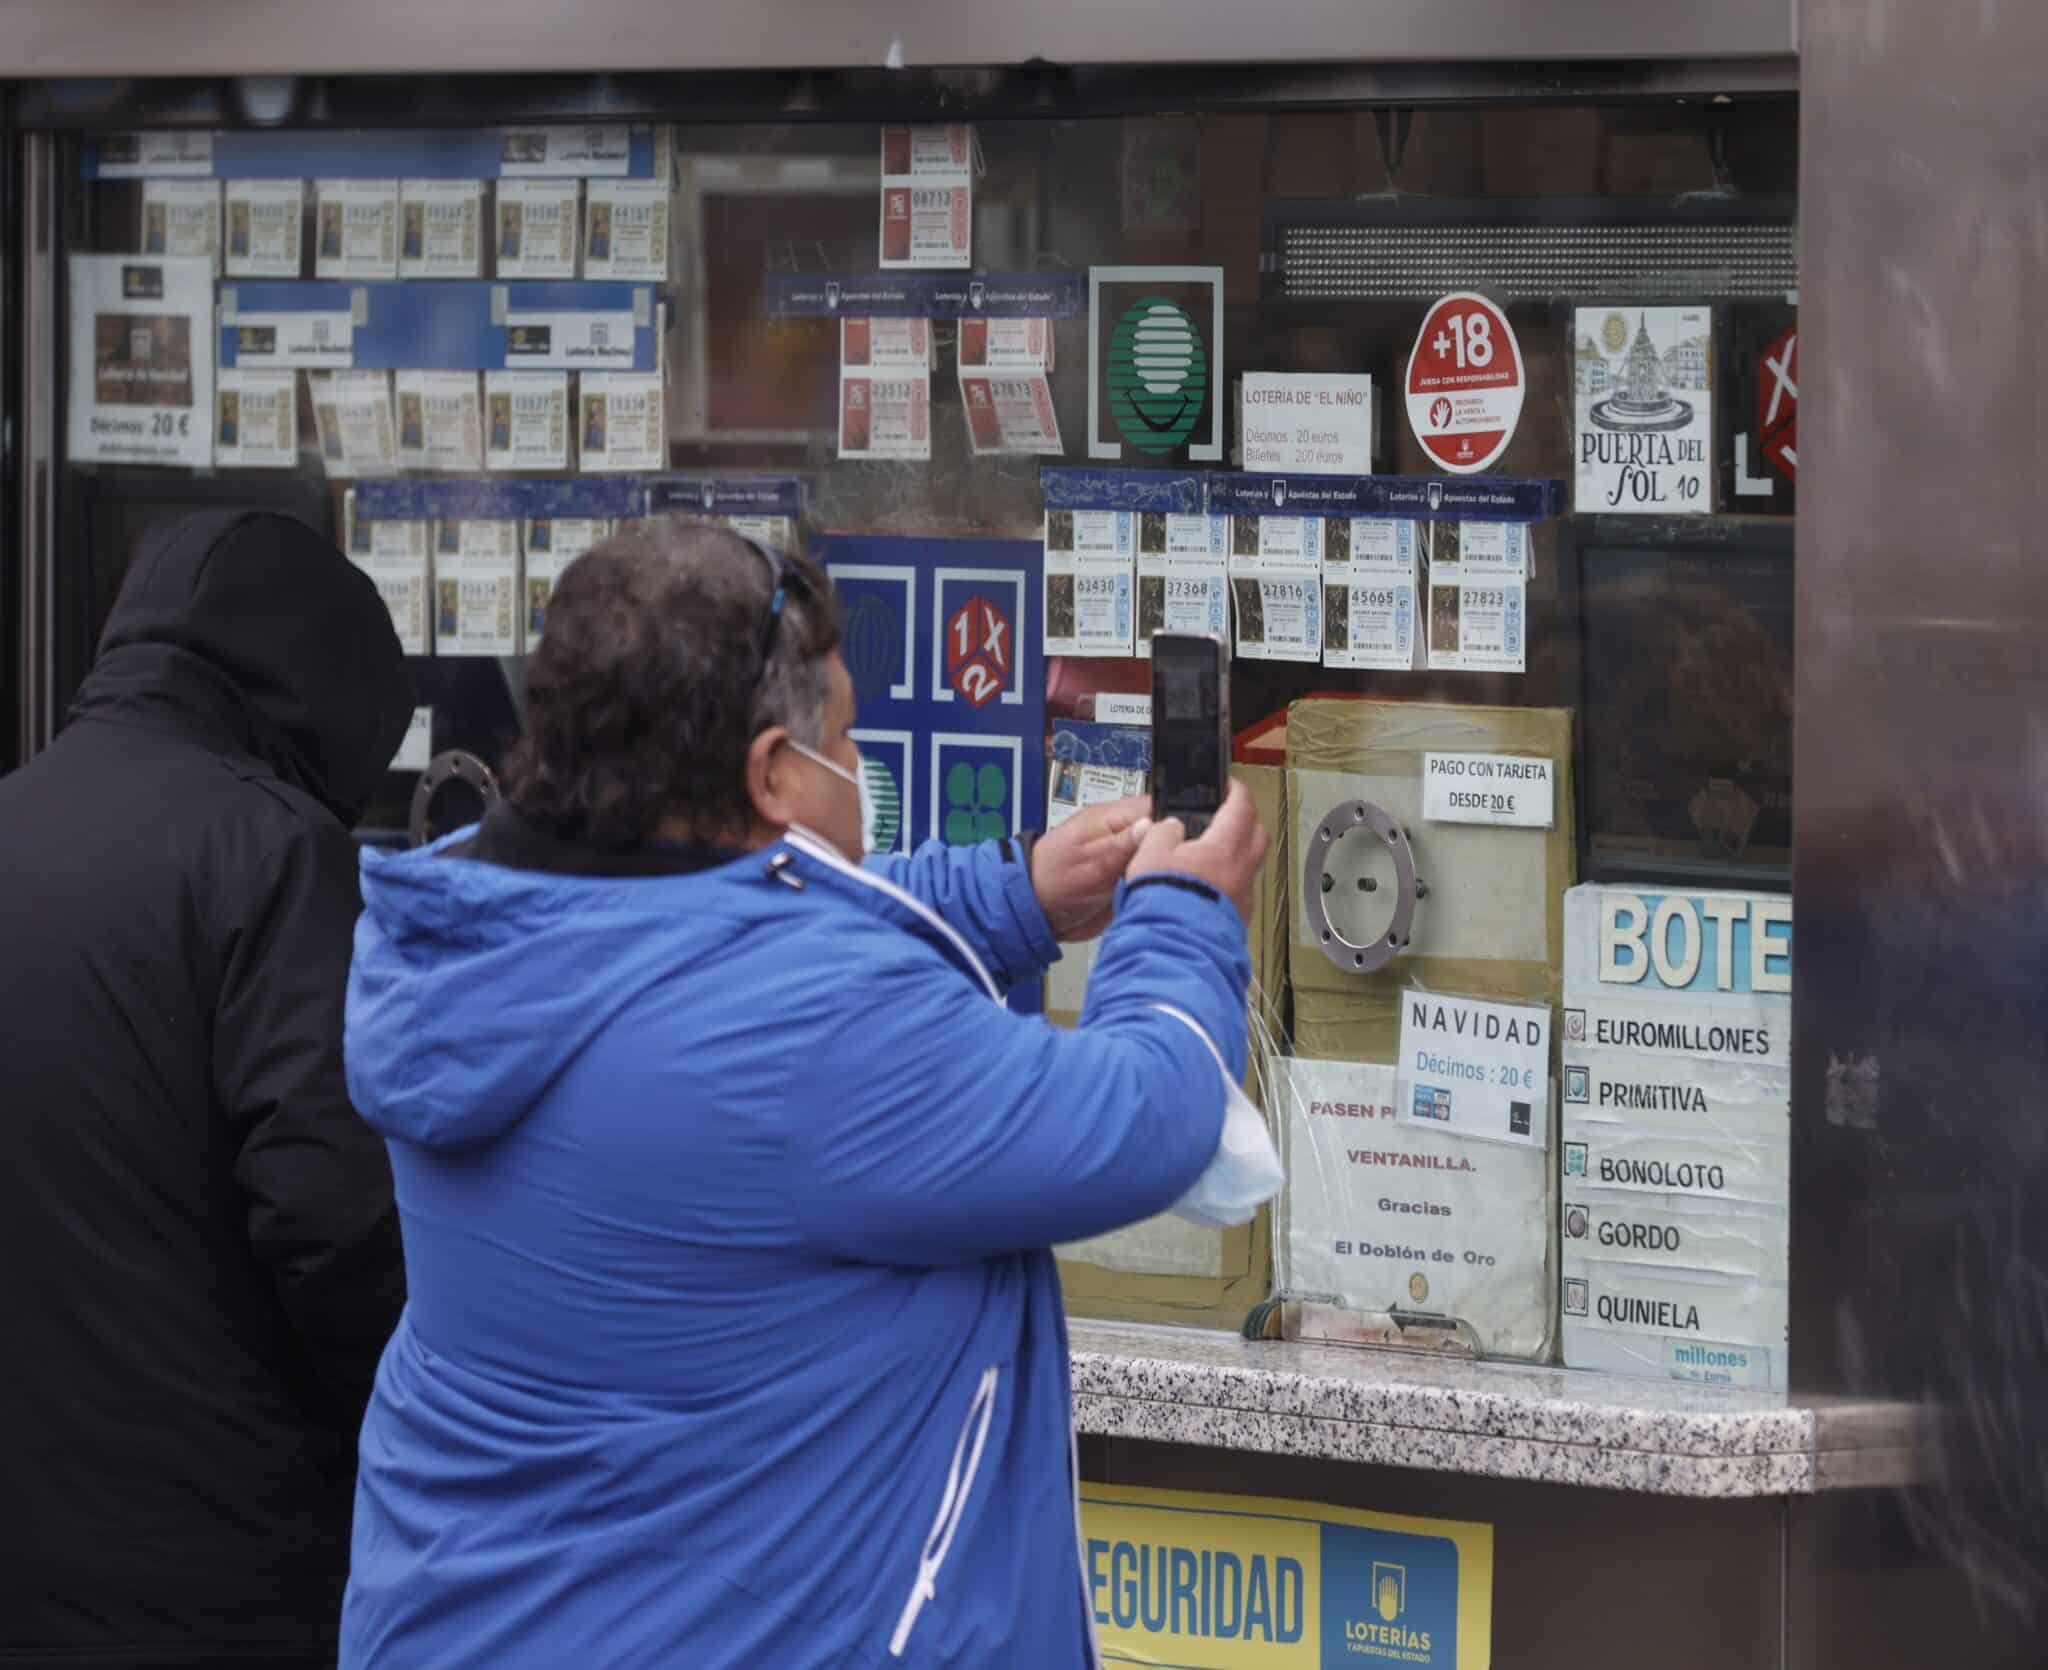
x=769 y=780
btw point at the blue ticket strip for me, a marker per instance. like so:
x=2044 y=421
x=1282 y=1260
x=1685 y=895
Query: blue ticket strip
x=1177 y=492
x=524 y=497
x=1426 y=498
x=527 y=497
x=446 y=325
x=358 y=154
x=925 y=295
x=765 y=495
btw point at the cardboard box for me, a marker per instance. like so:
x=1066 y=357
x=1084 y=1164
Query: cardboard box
x=1166 y=1270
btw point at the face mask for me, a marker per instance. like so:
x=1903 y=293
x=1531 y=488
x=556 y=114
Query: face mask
x=859 y=780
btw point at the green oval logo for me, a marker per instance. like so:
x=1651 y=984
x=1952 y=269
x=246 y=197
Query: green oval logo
x=1158 y=375
x=885 y=805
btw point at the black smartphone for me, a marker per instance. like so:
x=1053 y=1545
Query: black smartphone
x=1190 y=727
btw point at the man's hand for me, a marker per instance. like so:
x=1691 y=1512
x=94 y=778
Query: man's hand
x=1226 y=856
x=1076 y=867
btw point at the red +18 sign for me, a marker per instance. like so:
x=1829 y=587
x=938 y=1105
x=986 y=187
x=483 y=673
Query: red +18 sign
x=1465 y=383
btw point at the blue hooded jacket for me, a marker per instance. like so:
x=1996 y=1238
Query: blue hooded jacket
x=732 y=1338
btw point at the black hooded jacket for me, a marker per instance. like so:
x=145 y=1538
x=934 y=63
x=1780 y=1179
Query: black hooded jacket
x=199 y=1257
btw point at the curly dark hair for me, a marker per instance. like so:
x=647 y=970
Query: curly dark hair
x=646 y=691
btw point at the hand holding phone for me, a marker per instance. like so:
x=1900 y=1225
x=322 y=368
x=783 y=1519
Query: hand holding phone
x=1226 y=856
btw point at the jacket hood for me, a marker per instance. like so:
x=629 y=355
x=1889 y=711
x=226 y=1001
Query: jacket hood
x=474 y=985
x=253 y=620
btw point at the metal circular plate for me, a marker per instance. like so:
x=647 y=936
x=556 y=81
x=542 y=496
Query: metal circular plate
x=1360 y=820
x=454 y=766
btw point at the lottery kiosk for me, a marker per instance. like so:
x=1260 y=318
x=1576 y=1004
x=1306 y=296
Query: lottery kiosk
x=1443 y=364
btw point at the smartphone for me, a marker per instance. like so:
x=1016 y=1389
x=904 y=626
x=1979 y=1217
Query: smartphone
x=1190 y=727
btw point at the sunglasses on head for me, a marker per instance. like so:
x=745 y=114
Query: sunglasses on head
x=787 y=580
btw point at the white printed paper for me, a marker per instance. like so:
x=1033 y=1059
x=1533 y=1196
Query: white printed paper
x=416 y=747
x=440 y=420
x=1006 y=345
x=1676 y=1129
x=356 y=229
x=1010 y=414
x=526 y=420
x=1307 y=424
x=537 y=221
x=1384 y=1215
x=565 y=152
x=625 y=229
x=1643 y=396
x=353 y=411
x=476 y=587
x=1089 y=582
x=1476 y=623
x=1183 y=577
x=621 y=424
x=552 y=544
x=304 y=341
x=1672 y=1357
x=264 y=221
x=927 y=196
x=142 y=343
x=256 y=420
x=441 y=229
x=1116 y=707
x=1276 y=593
x=872 y=345
x=1498 y=550
x=778 y=533
x=1604 y=1297
x=1370 y=608
x=395 y=555
x=1507 y=791
x=1604 y=1157
x=1662 y=1235
x=885 y=388
x=1293 y=539
x=182 y=217
x=1470 y=1068
x=1070 y=785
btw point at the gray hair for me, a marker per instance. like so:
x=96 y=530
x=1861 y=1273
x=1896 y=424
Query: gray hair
x=648 y=688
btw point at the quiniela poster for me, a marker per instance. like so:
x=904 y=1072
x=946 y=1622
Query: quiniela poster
x=1642 y=385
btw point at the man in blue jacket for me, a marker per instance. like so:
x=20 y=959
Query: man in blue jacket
x=727 y=1181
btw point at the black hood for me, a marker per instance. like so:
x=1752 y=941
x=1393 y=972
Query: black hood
x=248 y=628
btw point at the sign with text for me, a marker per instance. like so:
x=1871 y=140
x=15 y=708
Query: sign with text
x=1465 y=383
x=1514 y=791
x=1300 y=424
x=1209 y=1582
x=1476 y=1069
x=1386 y=1214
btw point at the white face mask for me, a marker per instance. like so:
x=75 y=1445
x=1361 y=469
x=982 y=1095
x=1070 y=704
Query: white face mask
x=859 y=779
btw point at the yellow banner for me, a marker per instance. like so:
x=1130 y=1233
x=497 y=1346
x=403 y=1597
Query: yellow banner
x=1185 y=1581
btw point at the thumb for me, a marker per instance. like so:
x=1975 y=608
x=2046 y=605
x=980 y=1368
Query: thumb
x=1234 y=819
x=1160 y=843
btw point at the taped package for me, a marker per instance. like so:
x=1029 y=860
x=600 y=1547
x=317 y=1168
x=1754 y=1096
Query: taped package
x=1492 y=923
x=1466 y=1237
x=1164 y=1269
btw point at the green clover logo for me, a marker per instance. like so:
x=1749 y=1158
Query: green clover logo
x=974 y=804
x=1158 y=374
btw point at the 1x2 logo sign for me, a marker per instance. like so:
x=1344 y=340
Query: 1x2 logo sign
x=980 y=655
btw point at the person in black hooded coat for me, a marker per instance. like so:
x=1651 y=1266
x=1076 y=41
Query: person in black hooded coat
x=199 y=1255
